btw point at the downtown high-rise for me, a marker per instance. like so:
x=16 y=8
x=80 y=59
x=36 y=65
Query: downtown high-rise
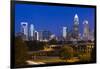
x=24 y=30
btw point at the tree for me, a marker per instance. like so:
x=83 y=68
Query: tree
x=86 y=55
x=20 y=52
x=53 y=41
x=66 y=52
x=93 y=54
x=35 y=45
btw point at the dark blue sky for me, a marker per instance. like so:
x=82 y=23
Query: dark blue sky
x=52 y=18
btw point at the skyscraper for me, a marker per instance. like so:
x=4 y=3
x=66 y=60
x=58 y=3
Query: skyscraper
x=86 y=30
x=64 y=32
x=24 y=30
x=91 y=36
x=76 y=27
x=36 y=35
x=40 y=36
x=31 y=31
x=46 y=35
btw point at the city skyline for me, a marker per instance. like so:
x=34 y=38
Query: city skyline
x=42 y=20
x=50 y=33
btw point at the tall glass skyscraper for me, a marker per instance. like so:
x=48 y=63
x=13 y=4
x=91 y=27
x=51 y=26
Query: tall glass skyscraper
x=24 y=30
x=36 y=35
x=76 y=27
x=86 y=30
x=64 y=32
x=31 y=32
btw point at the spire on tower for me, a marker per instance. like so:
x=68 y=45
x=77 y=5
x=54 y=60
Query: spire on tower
x=76 y=16
x=76 y=19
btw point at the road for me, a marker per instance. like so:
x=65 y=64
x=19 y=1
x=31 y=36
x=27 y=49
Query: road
x=34 y=63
